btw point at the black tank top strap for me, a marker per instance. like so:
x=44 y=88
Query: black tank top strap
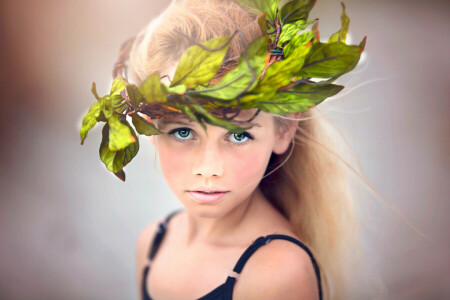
x=264 y=240
x=152 y=251
x=160 y=234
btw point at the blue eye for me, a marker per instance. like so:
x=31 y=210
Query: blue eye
x=181 y=133
x=241 y=138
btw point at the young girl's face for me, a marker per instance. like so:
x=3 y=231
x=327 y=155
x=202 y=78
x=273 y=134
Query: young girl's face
x=218 y=160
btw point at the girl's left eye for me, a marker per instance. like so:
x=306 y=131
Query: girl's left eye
x=241 y=138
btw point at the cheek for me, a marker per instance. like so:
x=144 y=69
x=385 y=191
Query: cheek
x=248 y=167
x=174 y=163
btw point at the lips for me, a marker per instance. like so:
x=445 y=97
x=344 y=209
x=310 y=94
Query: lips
x=206 y=197
x=206 y=189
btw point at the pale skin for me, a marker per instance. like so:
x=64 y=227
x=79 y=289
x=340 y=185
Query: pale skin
x=203 y=243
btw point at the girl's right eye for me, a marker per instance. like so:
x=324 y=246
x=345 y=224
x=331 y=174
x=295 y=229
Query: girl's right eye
x=181 y=134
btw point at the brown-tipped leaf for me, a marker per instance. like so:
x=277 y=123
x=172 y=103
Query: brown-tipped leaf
x=144 y=127
x=341 y=34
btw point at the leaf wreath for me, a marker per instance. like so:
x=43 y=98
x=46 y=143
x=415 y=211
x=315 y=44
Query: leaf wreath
x=274 y=74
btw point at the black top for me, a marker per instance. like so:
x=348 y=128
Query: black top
x=225 y=290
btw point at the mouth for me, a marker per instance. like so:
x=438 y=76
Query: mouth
x=207 y=197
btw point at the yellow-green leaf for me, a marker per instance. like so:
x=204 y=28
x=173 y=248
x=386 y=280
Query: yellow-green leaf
x=297 y=41
x=197 y=65
x=131 y=150
x=269 y=7
x=116 y=160
x=90 y=119
x=119 y=134
x=341 y=34
x=113 y=160
x=290 y=30
x=94 y=91
x=153 y=90
x=240 y=77
x=178 y=89
x=279 y=74
x=118 y=86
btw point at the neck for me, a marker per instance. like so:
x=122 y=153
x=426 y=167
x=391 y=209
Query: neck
x=228 y=227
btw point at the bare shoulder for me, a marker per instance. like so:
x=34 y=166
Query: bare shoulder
x=145 y=238
x=278 y=270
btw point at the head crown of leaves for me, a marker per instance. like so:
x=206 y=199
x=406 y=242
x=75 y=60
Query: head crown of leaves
x=274 y=74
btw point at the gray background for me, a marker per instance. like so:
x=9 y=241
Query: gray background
x=68 y=228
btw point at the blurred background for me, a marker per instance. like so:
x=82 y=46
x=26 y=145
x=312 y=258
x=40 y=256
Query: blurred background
x=68 y=228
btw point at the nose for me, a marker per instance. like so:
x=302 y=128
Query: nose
x=209 y=161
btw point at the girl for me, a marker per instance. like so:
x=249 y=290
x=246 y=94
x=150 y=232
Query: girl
x=277 y=178
x=268 y=211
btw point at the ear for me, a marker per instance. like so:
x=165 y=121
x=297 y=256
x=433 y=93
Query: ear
x=284 y=138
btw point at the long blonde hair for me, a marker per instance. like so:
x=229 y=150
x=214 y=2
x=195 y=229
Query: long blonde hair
x=311 y=187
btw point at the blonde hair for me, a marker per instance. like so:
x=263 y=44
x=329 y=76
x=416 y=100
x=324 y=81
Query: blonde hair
x=311 y=188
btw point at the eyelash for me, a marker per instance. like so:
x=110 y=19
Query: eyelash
x=173 y=131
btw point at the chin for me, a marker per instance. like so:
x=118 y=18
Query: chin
x=205 y=211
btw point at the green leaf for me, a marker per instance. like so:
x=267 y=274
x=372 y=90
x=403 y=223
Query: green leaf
x=299 y=98
x=341 y=34
x=107 y=112
x=197 y=66
x=119 y=134
x=134 y=94
x=331 y=60
x=116 y=160
x=240 y=77
x=118 y=86
x=290 y=30
x=187 y=111
x=144 y=127
x=113 y=160
x=297 y=41
x=295 y=10
x=210 y=119
x=108 y=105
x=94 y=91
x=279 y=74
x=120 y=175
x=118 y=103
x=101 y=117
x=153 y=90
x=178 y=89
x=90 y=119
x=269 y=7
x=262 y=23
x=131 y=150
